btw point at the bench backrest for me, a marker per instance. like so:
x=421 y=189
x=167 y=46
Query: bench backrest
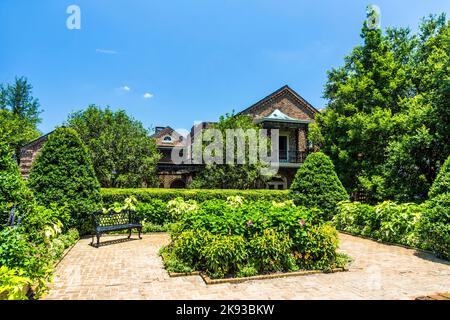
x=112 y=218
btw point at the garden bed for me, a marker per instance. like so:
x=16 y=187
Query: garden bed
x=267 y=276
x=236 y=240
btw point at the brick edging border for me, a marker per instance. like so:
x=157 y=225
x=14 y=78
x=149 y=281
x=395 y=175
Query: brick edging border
x=210 y=281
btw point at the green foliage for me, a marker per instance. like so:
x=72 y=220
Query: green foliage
x=15 y=131
x=435 y=225
x=13 y=284
x=19 y=114
x=270 y=251
x=387 y=221
x=442 y=183
x=172 y=262
x=232 y=176
x=16 y=251
x=62 y=173
x=246 y=271
x=122 y=151
x=200 y=195
x=154 y=212
x=13 y=190
x=317 y=185
x=226 y=236
x=223 y=254
x=386 y=122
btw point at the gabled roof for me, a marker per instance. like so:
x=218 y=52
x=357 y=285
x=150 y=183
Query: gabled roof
x=278 y=116
x=41 y=139
x=167 y=131
x=283 y=91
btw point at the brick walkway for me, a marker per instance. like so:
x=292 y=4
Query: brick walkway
x=133 y=270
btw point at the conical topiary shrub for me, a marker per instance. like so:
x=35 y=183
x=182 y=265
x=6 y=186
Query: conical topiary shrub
x=316 y=184
x=441 y=184
x=13 y=191
x=63 y=174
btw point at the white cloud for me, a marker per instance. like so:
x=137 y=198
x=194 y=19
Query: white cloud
x=147 y=95
x=126 y=88
x=106 y=51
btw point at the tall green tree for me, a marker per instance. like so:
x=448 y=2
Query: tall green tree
x=233 y=176
x=62 y=174
x=19 y=113
x=122 y=151
x=414 y=158
x=387 y=111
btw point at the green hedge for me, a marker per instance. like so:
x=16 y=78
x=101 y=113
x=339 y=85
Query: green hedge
x=146 y=195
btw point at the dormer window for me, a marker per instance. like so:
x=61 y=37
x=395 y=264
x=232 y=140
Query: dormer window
x=167 y=139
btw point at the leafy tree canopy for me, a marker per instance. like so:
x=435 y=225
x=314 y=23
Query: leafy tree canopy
x=233 y=176
x=386 y=122
x=122 y=151
x=19 y=113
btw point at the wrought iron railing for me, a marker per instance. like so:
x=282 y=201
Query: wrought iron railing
x=295 y=156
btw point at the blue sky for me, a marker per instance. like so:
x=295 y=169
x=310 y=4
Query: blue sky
x=195 y=59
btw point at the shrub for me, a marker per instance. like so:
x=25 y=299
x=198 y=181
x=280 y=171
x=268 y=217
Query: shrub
x=172 y=263
x=247 y=271
x=441 y=184
x=63 y=174
x=200 y=195
x=357 y=218
x=316 y=184
x=399 y=222
x=13 y=190
x=188 y=245
x=154 y=211
x=13 y=284
x=223 y=254
x=17 y=252
x=270 y=251
x=387 y=221
x=239 y=236
x=317 y=248
x=435 y=225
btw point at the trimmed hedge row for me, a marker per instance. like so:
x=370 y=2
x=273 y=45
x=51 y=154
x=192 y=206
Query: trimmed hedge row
x=112 y=195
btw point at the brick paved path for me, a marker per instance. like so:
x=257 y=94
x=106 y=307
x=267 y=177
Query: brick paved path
x=133 y=270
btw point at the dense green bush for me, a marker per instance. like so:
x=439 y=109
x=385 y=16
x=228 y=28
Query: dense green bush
x=271 y=251
x=13 y=190
x=63 y=174
x=13 y=284
x=441 y=184
x=146 y=195
x=238 y=236
x=316 y=184
x=16 y=251
x=154 y=211
x=387 y=221
x=357 y=218
x=435 y=225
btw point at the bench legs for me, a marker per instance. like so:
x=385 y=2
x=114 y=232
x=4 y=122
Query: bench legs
x=129 y=233
x=140 y=230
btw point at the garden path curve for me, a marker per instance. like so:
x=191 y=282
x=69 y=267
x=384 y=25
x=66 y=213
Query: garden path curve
x=133 y=270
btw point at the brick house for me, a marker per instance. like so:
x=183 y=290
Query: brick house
x=29 y=152
x=283 y=109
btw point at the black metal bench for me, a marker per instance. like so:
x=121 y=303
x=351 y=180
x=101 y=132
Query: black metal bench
x=115 y=221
